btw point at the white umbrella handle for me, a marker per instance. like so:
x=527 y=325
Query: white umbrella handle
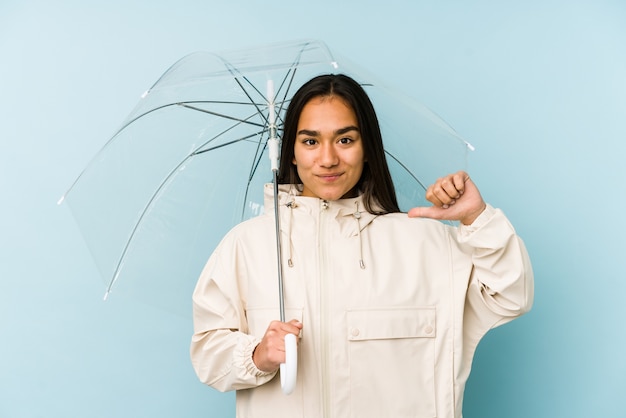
x=289 y=369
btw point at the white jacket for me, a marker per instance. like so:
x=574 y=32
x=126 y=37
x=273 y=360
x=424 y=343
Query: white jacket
x=392 y=308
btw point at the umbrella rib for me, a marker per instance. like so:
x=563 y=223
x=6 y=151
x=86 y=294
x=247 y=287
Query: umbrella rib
x=177 y=104
x=130 y=239
x=288 y=78
x=197 y=151
x=185 y=105
x=258 y=109
x=406 y=168
x=113 y=138
x=234 y=141
x=292 y=71
x=257 y=160
x=287 y=89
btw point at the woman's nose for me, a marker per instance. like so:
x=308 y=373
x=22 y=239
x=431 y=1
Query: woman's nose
x=328 y=156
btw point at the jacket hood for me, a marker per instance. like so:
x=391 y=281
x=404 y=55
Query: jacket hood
x=350 y=214
x=290 y=197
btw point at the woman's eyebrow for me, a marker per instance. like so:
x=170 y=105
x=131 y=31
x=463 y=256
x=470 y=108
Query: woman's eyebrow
x=339 y=131
x=308 y=132
x=346 y=130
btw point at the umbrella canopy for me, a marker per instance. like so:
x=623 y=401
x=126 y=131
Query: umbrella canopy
x=190 y=162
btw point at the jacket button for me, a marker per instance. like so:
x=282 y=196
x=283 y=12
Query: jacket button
x=355 y=332
x=428 y=330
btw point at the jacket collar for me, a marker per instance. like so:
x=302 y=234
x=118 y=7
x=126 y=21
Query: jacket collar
x=350 y=215
x=290 y=195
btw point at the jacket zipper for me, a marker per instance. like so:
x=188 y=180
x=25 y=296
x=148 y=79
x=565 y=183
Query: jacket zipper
x=324 y=310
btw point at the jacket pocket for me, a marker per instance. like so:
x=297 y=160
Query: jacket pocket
x=392 y=361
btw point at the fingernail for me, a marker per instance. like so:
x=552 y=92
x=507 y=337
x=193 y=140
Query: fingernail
x=445 y=206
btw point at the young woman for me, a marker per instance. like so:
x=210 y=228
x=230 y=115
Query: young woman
x=388 y=308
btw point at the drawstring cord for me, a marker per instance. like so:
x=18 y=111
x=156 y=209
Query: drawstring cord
x=357 y=217
x=291 y=205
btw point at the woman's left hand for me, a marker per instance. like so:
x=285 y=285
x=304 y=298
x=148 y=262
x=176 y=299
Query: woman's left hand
x=455 y=197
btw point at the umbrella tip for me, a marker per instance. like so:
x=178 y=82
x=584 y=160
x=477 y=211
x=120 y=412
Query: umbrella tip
x=106 y=296
x=61 y=200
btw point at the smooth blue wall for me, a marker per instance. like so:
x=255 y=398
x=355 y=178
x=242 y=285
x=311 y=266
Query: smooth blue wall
x=538 y=87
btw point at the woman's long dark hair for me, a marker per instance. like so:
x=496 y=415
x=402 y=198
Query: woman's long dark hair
x=375 y=182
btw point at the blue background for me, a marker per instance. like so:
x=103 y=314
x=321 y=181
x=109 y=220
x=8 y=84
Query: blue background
x=538 y=87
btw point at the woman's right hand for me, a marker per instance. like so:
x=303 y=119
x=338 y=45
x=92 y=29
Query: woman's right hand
x=270 y=352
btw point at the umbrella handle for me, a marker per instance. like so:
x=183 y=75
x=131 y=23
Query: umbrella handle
x=289 y=369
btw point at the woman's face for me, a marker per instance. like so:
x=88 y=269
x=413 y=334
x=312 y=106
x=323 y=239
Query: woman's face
x=328 y=151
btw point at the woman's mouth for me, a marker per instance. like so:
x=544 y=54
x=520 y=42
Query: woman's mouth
x=329 y=178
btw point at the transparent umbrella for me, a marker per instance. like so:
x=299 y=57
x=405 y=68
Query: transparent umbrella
x=190 y=161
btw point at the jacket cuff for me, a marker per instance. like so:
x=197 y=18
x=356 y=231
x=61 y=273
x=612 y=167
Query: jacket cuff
x=465 y=231
x=248 y=363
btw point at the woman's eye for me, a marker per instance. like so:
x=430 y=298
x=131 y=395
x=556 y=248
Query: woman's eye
x=345 y=140
x=309 y=142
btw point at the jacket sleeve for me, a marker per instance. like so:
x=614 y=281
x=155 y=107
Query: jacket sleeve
x=221 y=350
x=501 y=283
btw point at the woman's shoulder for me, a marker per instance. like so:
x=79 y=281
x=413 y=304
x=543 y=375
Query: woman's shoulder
x=246 y=232
x=402 y=217
x=252 y=225
x=401 y=221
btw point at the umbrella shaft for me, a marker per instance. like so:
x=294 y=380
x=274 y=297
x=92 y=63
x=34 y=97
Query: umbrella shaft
x=281 y=295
